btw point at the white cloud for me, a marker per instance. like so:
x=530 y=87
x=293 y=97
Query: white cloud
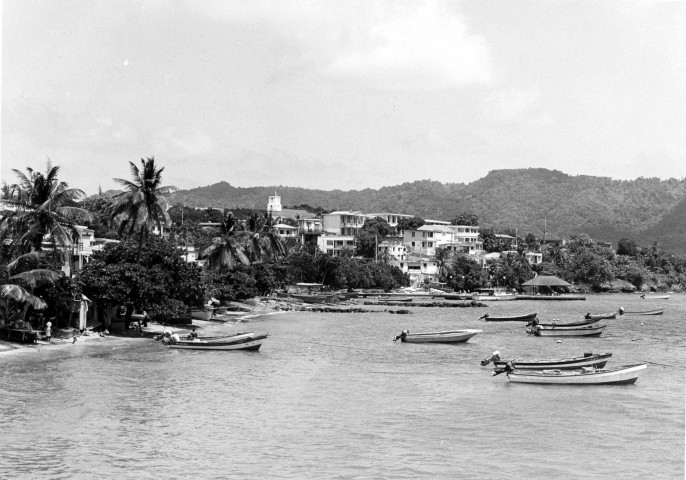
x=418 y=46
x=175 y=144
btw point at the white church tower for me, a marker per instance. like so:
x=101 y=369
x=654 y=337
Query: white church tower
x=274 y=205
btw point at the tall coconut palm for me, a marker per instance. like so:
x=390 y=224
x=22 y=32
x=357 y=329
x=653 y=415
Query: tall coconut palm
x=20 y=277
x=141 y=205
x=263 y=240
x=39 y=207
x=226 y=251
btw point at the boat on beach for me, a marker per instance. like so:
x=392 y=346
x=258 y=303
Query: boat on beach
x=622 y=375
x=596 y=360
x=508 y=318
x=237 y=342
x=450 y=336
x=585 y=331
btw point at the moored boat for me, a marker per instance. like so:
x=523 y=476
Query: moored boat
x=597 y=360
x=242 y=342
x=655 y=297
x=492 y=295
x=507 y=318
x=585 y=331
x=622 y=375
x=657 y=311
x=579 y=323
x=450 y=336
x=551 y=297
x=601 y=316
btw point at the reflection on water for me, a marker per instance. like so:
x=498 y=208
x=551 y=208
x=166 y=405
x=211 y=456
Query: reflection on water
x=331 y=396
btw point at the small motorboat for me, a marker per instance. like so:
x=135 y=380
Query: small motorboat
x=596 y=360
x=601 y=316
x=623 y=375
x=508 y=318
x=234 y=342
x=579 y=323
x=585 y=331
x=655 y=297
x=450 y=336
x=657 y=311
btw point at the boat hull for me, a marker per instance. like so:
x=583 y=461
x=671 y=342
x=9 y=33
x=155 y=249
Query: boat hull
x=251 y=343
x=551 y=297
x=455 y=336
x=623 y=375
x=656 y=297
x=591 y=331
x=494 y=298
x=201 y=314
x=580 y=323
x=602 y=316
x=511 y=318
x=597 y=360
x=658 y=311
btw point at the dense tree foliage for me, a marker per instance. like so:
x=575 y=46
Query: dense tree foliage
x=373 y=232
x=466 y=218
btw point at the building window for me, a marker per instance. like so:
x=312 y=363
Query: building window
x=329 y=242
x=413 y=233
x=423 y=244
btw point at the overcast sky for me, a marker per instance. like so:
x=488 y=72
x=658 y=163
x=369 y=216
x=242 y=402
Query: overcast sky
x=342 y=94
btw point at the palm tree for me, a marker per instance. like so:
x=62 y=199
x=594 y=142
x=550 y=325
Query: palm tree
x=41 y=206
x=18 y=279
x=142 y=204
x=557 y=253
x=263 y=240
x=443 y=256
x=226 y=251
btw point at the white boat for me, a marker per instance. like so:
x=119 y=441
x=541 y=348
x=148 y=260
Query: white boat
x=450 y=336
x=623 y=375
x=655 y=297
x=204 y=314
x=586 y=331
x=492 y=295
x=238 y=342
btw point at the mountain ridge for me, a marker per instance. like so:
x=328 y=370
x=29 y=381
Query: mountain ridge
x=530 y=200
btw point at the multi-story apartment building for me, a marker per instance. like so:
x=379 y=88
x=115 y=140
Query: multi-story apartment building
x=342 y=222
x=391 y=218
x=420 y=268
x=334 y=244
x=466 y=239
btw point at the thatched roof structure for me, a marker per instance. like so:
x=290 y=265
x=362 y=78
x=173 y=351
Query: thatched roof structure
x=547 y=281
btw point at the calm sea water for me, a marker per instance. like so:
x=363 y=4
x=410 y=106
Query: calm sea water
x=331 y=396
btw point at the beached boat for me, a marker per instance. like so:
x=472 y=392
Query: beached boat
x=508 y=318
x=655 y=297
x=622 y=375
x=241 y=342
x=657 y=311
x=492 y=295
x=310 y=293
x=450 y=336
x=596 y=360
x=601 y=316
x=585 y=331
x=204 y=314
x=389 y=298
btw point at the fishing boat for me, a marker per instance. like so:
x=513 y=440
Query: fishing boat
x=309 y=293
x=450 y=336
x=655 y=297
x=585 y=331
x=596 y=360
x=454 y=296
x=601 y=316
x=239 y=342
x=657 y=311
x=580 y=323
x=388 y=298
x=508 y=318
x=492 y=295
x=622 y=375
x=204 y=314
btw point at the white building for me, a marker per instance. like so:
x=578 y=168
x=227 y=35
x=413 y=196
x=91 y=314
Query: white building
x=274 y=205
x=286 y=231
x=343 y=222
x=334 y=244
x=391 y=218
x=421 y=269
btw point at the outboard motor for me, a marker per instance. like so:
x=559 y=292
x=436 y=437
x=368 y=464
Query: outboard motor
x=485 y=315
x=494 y=357
x=621 y=310
x=402 y=336
x=509 y=367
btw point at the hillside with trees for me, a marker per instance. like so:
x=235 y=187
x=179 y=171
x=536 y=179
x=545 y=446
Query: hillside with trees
x=534 y=200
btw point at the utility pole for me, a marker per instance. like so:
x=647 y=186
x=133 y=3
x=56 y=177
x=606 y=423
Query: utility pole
x=545 y=228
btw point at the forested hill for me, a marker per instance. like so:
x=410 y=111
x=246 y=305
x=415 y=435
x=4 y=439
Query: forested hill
x=647 y=209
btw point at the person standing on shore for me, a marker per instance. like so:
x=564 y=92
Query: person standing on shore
x=48 y=331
